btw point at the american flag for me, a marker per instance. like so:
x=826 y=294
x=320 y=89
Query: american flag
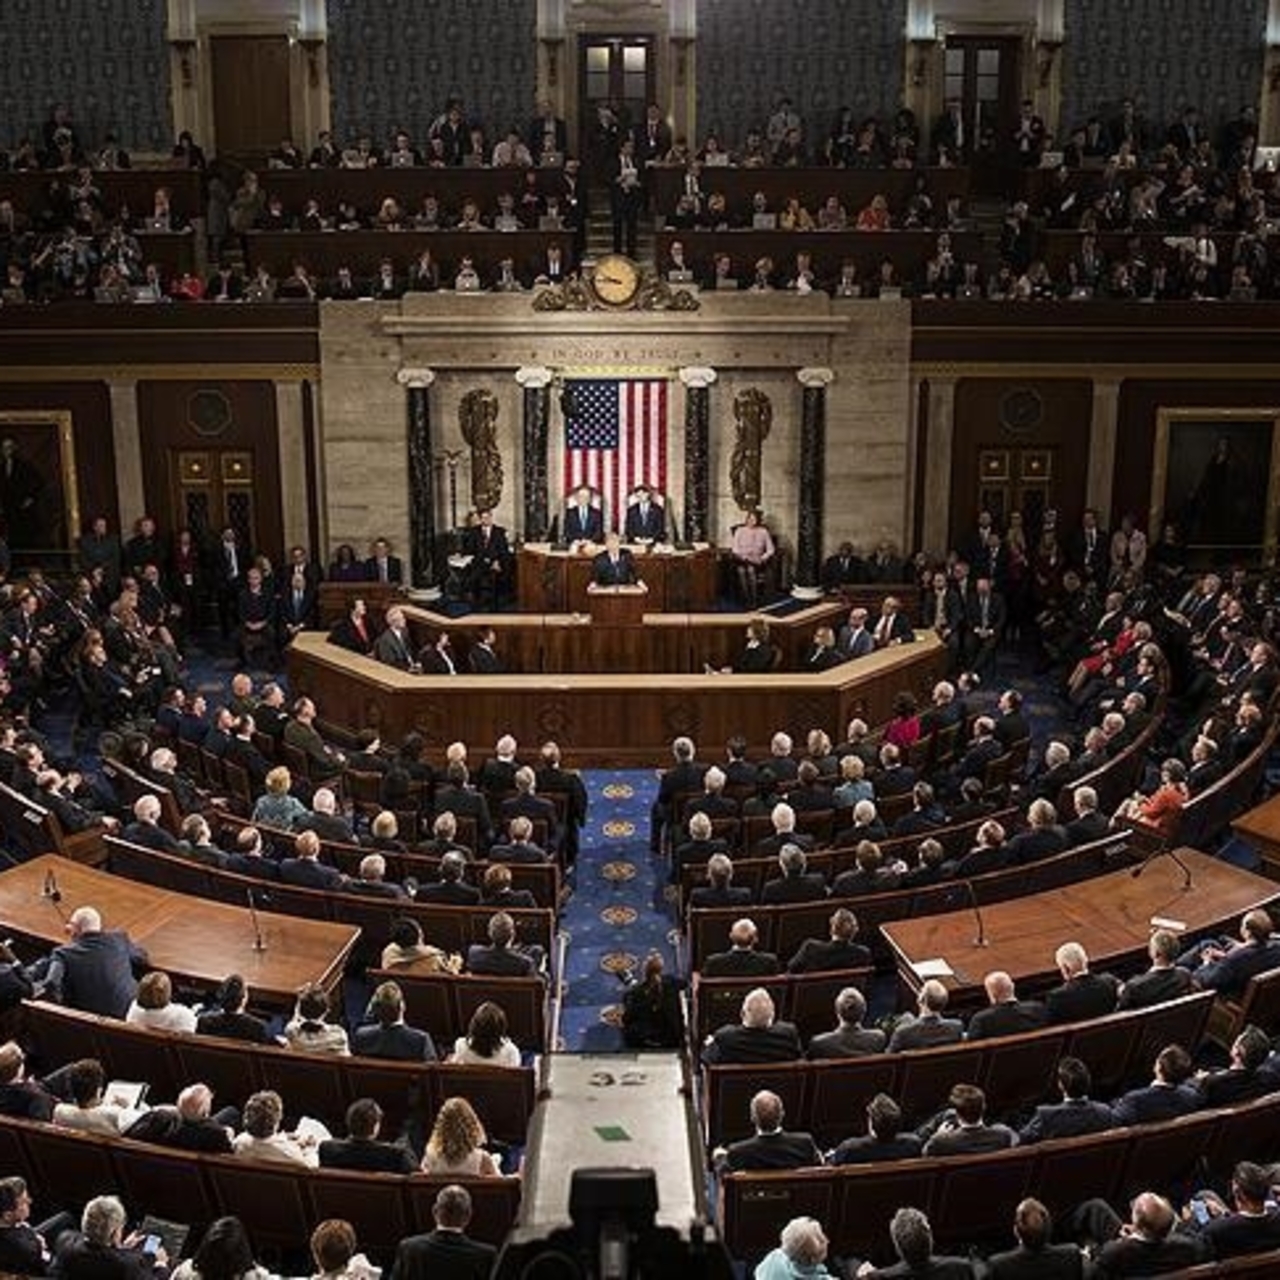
x=615 y=437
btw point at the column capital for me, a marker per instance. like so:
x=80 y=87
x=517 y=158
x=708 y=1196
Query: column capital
x=416 y=379
x=697 y=376
x=815 y=376
x=535 y=376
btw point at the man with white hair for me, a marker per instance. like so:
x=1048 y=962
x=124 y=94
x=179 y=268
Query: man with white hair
x=94 y=970
x=771 y=1146
x=783 y=817
x=1056 y=772
x=927 y=1027
x=713 y=801
x=1082 y=995
x=1089 y=824
x=190 y=1124
x=325 y=820
x=145 y=829
x=701 y=846
x=1042 y=838
x=164 y=770
x=796 y=883
x=99 y=1247
x=497 y=775
x=943 y=710
x=371 y=879
x=802 y=1251
x=683 y=778
x=780 y=762
x=395 y=646
x=742 y=960
x=526 y=803
x=758 y=1037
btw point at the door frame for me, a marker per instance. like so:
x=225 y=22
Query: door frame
x=583 y=109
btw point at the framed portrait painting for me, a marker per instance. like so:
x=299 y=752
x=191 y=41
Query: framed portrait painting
x=39 y=507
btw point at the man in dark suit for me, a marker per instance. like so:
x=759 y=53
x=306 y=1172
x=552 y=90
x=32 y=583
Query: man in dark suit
x=1148 y=1244
x=912 y=1238
x=883 y=1140
x=927 y=1027
x=1088 y=825
x=382 y=566
x=94 y=970
x=231 y=561
x=482 y=657
x=796 y=884
x=626 y=197
x=646 y=519
x=684 y=776
x=394 y=645
x=783 y=817
x=1091 y=549
x=145 y=829
x=1036 y=1258
x=502 y=957
x=24 y=1249
x=1246 y=1076
x=305 y=868
x=719 y=891
x=450 y=889
x=487 y=545
x=1227 y=969
x=1165 y=980
x=986 y=613
x=983 y=748
x=1042 y=838
x=519 y=847
x=742 y=960
x=526 y=803
x=98 y=1250
x=850 y=1039
x=838 y=951
x=756 y=1038
x=242 y=750
x=699 y=849
x=361 y=1149
x=386 y=1036
x=1075 y=1114
x=893 y=627
x=583 y=520
x=1168 y=1095
x=553 y=779
x=1082 y=995
x=615 y=566
x=963 y=1128
x=464 y=801
x=248 y=857
x=1249 y=1224
x=1005 y=1015
x=771 y=1146
x=447 y=1253
x=325 y=820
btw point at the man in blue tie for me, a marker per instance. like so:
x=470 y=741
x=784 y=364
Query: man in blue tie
x=646 y=520
x=582 y=521
x=614 y=566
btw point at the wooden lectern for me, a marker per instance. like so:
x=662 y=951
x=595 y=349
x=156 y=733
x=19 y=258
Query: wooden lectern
x=620 y=606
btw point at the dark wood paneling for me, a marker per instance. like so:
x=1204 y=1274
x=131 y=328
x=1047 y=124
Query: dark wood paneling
x=1063 y=427
x=164 y=425
x=250 y=92
x=90 y=407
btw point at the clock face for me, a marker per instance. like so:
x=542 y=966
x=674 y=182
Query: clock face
x=616 y=280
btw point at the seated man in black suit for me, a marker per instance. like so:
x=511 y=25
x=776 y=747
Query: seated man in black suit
x=25 y=1249
x=683 y=776
x=912 y=1238
x=1036 y=1258
x=583 y=521
x=502 y=957
x=927 y=1027
x=496 y=891
x=783 y=817
x=646 y=519
x=1248 y=1074
x=771 y=1146
x=1168 y=1095
x=1082 y=995
x=870 y=873
x=519 y=847
x=248 y=856
x=99 y=1248
x=987 y=854
x=306 y=869
x=1227 y=969
x=963 y=1129
x=491 y=561
x=382 y=566
x=797 y=883
x=699 y=849
x=837 y=951
x=1088 y=824
x=361 y=1149
x=1165 y=980
x=1075 y=1114
x=742 y=960
x=883 y=1140
x=1005 y=1015
x=145 y=829
x=719 y=891
x=850 y=1039
x=93 y=970
x=444 y=831
x=325 y=820
x=451 y=889
x=1042 y=838
x=1148 y=1244
x=526 y=803
x=615 y=566
x=227 y=1014
x=385 y=1035
x=756 y=1038
x=447 y=1253
x=1249 y=1224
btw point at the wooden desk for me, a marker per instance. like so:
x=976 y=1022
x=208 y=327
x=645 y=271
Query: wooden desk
x=190 y=939
x=1110 y=916
x=1260 y=827
x=618 y=718
x=550 y=581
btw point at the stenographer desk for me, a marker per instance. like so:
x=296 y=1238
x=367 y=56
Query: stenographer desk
x=611 y=695
x=1111 y=916
x=193 y=940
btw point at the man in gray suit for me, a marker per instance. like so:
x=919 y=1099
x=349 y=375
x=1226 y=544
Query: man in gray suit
x=927 y=1027
x=94 y=970
x=850 y=1039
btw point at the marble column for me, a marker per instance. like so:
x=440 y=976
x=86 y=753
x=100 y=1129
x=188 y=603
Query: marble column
x=535 y=381
x=424 y=548
x=697 y=450
x=295 y=483
x=936 y=532
x=126 y=448
x=813 y=448
x=1103 y=430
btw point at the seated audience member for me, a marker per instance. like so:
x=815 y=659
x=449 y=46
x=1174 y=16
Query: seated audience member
x=925 y=814
x=93 y=971
x=1164 y=980
x=249 y=856
x=771 y=1146
x=145 y=829
x=651 y=1014
x=371 y=878
x=742 y=960
x=797 y=883
x=963 y=1129
x=89 y=1111
x=756 y=1038
x=24 y=1249
x=1042 y=838
x=335 y=1253
x=197 y=842
x=854 y=785
x=1248 y=1074
x=385 y=1034
x=227 y=1016
x=519 y=847
x=155 y=1007
x=486 y=1042
x=1075 y=1114
x=190 y=1124
x=1227 y=969
x=973 y=803
x=309 y=1030
x=850 y=1039
x=450 y=889
x=1005 y=1014
x=277 y=806
x=837 y=951
x=261 y=1138
x=22 y=1097
x=870 y=872
x=1250 y=1223
x=801 y=1252
x=931 y=855
x=701 y=846
x=444 y=831
x=502 y=957
x=866 y=826
x=719 y=891
x=306 y=869
x=1082 y=995
x=988 y=853
x=456 y=1145
x=927 y=1027
x=496 y=890
x=1148 y=1244
x=325 y=820
x=912 y=1239
x=1162 y=810
x=408 y=951
x=1035 y=1255
x=808 y=794
x=783 y=818
x=713 y=801
x=883 y=1140
x=1089 y=824
x=99 y=1248
x=361 y=1148
x=1169 y=1094
x=447 y=1251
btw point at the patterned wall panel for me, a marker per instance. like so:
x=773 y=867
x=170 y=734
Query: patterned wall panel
x=824 y=54
x=1165 y=54
x=106 y=59
x=394 y=62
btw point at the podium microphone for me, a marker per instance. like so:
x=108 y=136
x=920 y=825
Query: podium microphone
x=52 y=894
x=981 y=940
x=1172 y=855
x=259 y=942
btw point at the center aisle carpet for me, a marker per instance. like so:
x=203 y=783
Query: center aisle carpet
x=617 y=913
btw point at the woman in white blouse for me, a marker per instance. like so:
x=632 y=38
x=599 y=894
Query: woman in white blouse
x=87 y=1111
x=309 y=1031
x=486 y=1042
x=456 y=1145
x=154 y=1006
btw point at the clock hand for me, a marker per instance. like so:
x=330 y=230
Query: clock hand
x=609 y=279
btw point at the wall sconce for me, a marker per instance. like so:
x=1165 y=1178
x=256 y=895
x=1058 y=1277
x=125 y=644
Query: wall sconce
x=186 y=51
x=311 y=46
x=1046 y=55
x=921 y=51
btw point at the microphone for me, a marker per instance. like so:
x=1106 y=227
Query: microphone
x=259 y=942
x=981 y=940
x=51 y=890
x=1172 y=855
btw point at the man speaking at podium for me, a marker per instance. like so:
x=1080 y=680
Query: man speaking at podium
x=615 y=566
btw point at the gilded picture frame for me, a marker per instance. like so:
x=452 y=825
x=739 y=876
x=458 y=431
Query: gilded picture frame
x=39 y=493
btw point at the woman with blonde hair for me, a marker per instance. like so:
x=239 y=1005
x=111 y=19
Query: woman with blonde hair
x=277 y=807
x=456 y=1145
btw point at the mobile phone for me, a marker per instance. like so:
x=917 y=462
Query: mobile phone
x=151 y=1244
x=1200 y=1211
